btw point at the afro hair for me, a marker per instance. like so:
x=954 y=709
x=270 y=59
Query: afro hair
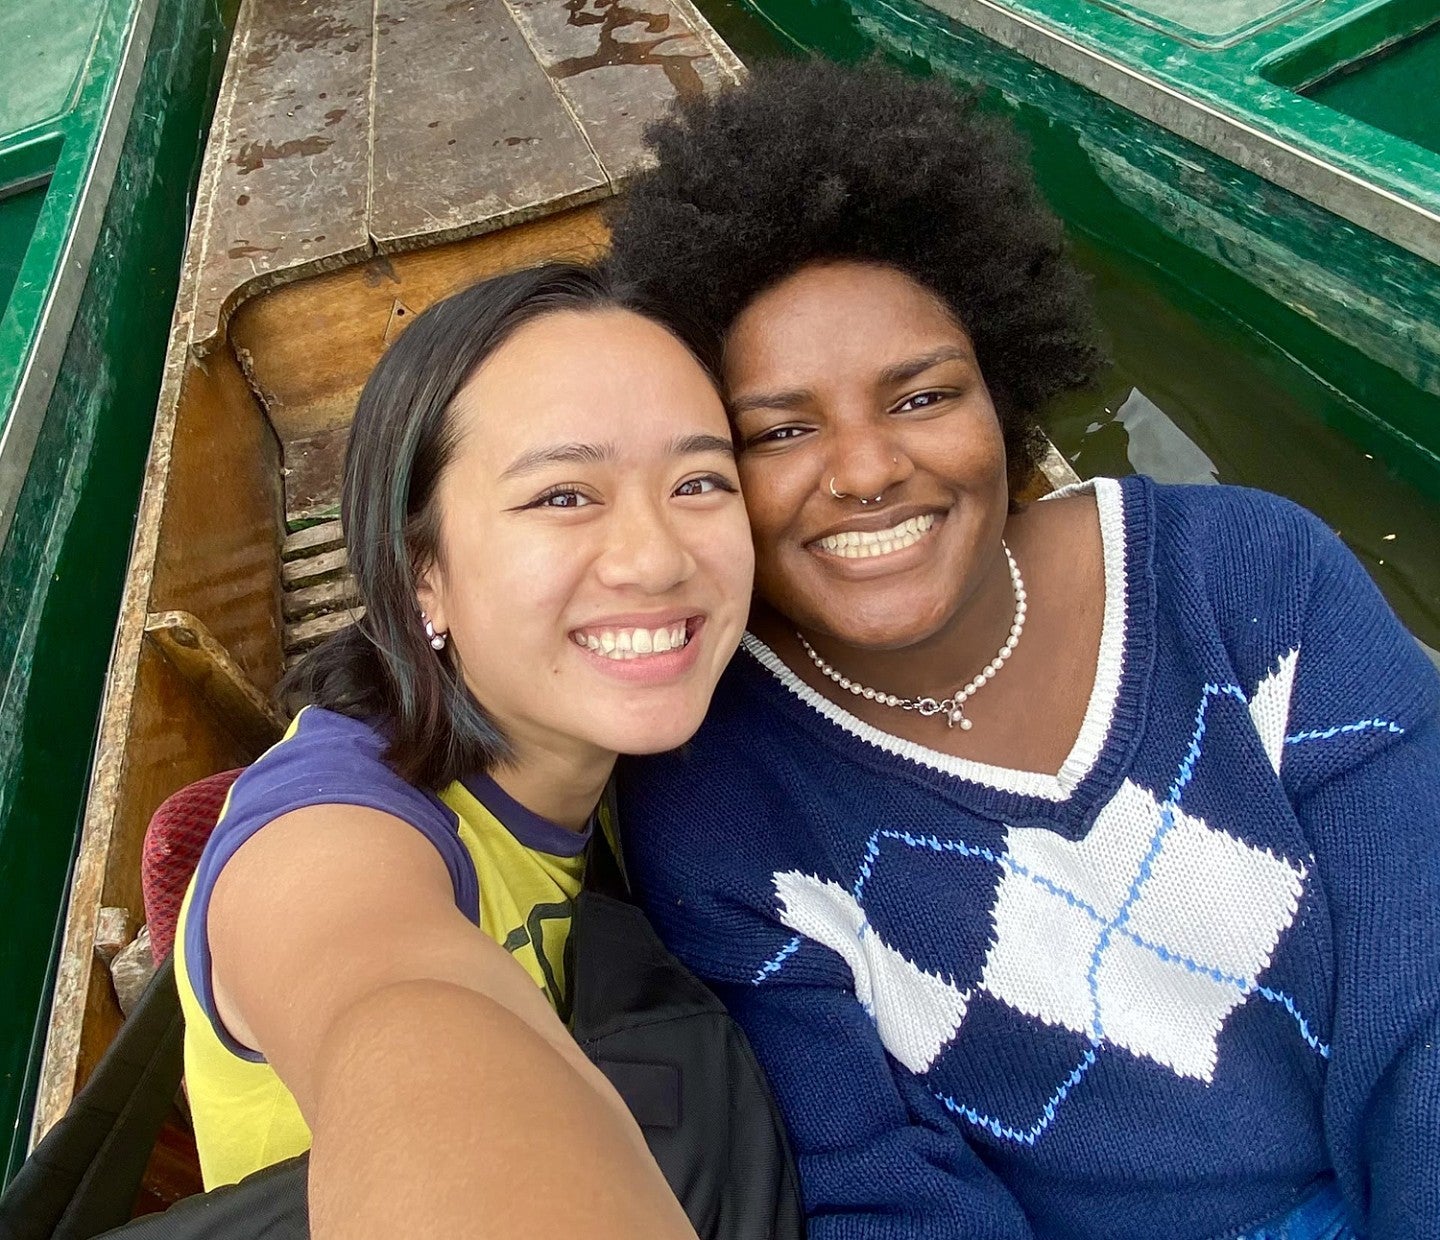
x=812 y=162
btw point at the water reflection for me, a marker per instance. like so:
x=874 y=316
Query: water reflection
x=1158 y=447
x=1198 y=397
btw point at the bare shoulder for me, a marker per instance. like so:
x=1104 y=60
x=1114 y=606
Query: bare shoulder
x=325 y=902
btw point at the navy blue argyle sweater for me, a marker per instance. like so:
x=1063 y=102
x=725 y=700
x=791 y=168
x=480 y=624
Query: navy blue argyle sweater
x=1164 y=992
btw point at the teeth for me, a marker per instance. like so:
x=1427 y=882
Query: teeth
x=855 y=545
x=633 y=643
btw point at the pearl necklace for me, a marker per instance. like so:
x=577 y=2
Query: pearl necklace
x=953 y=708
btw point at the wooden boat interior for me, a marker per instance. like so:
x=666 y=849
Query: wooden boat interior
x=367 y=157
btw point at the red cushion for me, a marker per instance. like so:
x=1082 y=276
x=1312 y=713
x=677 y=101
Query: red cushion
x=174 y=841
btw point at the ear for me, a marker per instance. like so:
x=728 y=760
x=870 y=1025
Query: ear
x=430 y=595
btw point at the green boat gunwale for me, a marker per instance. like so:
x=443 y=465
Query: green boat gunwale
x=1216 y=99
x=46 y=294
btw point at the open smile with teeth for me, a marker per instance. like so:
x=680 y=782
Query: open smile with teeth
x=857 y=544
x=633 y=643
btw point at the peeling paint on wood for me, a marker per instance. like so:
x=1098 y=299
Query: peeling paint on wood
x=619 y=64
x=477 y=138
x=291 y=177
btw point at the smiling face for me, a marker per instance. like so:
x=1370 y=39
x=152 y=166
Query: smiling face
x=595 y=561
x=852 y=378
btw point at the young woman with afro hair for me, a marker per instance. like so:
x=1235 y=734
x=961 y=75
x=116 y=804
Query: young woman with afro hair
x=1073 y=866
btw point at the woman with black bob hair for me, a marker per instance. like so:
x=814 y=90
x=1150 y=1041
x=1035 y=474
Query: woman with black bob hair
x=546 y=533
x=1072 y=866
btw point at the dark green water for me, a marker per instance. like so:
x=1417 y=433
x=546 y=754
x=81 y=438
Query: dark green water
x=1211 y=380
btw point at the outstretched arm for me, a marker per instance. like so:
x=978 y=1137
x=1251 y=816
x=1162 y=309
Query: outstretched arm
x=443 y=1094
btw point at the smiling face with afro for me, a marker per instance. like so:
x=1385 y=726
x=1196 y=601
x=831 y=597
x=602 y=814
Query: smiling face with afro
x=812 y=162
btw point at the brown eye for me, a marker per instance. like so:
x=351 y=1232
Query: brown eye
x=779 y=434
x=561 y=497
x=921 y=400
x=704 y=485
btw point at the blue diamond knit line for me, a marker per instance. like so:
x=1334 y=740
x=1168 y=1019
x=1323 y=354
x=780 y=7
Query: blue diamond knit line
x=1243 y=985
x=1147 y=862
x=1122 y=915
x=1192 y=754
x=1363 y=725
x=773 y=965
x=934 y=843
x=1025 y=1136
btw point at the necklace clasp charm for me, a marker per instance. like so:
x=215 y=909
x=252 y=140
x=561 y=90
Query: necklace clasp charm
x=956 y=718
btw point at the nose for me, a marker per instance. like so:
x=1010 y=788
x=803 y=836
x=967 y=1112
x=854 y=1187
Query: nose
x=865 y=460
x=643 y=550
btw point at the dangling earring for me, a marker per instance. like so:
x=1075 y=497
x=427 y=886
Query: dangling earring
x=437 y=639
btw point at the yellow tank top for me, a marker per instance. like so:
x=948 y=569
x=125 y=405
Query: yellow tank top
x=515 y=874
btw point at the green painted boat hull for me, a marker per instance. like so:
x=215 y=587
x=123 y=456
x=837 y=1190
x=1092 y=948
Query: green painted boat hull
x=92 y=230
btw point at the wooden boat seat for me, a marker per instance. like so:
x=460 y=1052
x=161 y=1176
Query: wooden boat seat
x=174 y=841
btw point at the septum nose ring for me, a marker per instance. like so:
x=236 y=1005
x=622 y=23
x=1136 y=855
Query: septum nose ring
x=845 y=495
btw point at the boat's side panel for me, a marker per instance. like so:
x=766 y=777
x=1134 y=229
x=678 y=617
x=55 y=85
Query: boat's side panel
x=61 y=573
x=217 y=556
x=212 y=497
x=1217 y=97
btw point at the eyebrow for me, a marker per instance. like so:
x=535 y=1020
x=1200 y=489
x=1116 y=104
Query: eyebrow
x=595 y=453
x=690 y=445
x=900 y=372
x=559 y=454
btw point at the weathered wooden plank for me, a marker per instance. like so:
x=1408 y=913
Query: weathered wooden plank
x=620 y=65
x=314 y=568
x=312 y=540
x=321 y=597
x=291 y=138
x=171 y=737
x=300 y=637
x=477 y=140
x=206 y=664
x=217 y=550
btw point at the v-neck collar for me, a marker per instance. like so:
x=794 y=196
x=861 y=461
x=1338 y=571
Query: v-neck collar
x=1121 y=677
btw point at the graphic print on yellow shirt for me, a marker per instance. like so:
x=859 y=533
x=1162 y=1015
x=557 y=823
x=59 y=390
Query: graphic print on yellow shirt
x=514 y=874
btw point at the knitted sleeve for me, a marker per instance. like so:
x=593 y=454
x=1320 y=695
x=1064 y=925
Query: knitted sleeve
x=1362 y=764
x=871 y=1167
